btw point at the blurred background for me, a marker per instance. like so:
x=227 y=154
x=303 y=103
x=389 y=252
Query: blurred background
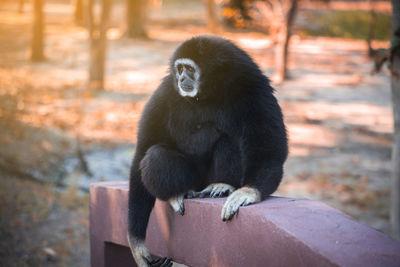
x=75 y=75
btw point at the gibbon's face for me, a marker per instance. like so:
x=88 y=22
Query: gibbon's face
x=211 y=69
x=187 y=75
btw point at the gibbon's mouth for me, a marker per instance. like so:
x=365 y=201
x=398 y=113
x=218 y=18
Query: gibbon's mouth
x=187 y=89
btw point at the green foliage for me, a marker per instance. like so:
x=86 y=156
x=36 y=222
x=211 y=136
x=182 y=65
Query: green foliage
x=352 y=24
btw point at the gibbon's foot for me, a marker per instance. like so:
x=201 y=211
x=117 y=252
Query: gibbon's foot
x=177 y=204
x=217 y=190
x=140 y=252
x=142 y=256
x=161 y=262
x=241 y=197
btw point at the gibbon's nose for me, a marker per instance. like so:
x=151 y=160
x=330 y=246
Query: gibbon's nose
x=186 y=84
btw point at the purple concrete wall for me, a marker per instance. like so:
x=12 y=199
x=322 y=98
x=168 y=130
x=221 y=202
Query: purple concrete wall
x=275 y=232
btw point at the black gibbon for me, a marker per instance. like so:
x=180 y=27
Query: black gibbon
x=214 y=126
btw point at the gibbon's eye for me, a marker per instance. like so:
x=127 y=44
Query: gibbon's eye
x=180 y=69
x=190 y=69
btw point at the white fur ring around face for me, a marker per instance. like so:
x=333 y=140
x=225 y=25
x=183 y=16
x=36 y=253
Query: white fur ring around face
x=195 y=80
x=241 y=197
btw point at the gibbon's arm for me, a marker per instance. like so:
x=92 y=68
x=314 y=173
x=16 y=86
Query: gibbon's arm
x=264 y=149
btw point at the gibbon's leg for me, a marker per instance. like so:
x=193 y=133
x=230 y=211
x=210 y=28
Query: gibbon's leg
x=226 y=169
x=141 y=199
x=255 y=191
x=140 y=205
x=168 y=175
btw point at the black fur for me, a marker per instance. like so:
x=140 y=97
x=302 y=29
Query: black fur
x=232 y=133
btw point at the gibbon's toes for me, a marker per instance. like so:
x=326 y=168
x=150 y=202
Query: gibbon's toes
x=177 y=204
x=217 y=190
x=241 y=197
x=161 y=262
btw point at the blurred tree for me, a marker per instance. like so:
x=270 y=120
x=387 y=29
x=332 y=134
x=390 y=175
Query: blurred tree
x=395 y=83
x=21 y=4
x=37 y=42
x=212 y=18
x=284 y=11
x=278 y=17
x=79 y=14
x=235 y=12
x=380 y=55
x=136 y=18
x=371 y=27
x=98 y=42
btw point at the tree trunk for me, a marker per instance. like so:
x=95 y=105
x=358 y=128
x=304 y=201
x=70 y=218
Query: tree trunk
x=21 y=4
x=37 y=31
x=371 y=29
x=283 y=38
x=395 y=83
x=281 y=54
x=212 y=17
x=79 y=13
x=98 y=44
x=136 y=17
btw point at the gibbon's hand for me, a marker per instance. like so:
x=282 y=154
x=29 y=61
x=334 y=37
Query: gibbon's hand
x=177 y=202
x=217 y=190
x=241 y=197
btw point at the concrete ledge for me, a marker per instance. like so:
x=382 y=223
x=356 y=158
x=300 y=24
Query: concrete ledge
x=275 y=232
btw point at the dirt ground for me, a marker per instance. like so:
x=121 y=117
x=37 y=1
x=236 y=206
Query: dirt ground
x=338 y=118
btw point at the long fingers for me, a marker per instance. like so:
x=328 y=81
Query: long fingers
x=241 y=197
x=217 y=190
x=177 y=204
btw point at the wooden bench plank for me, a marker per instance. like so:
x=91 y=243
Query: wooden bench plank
x=276 y=232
